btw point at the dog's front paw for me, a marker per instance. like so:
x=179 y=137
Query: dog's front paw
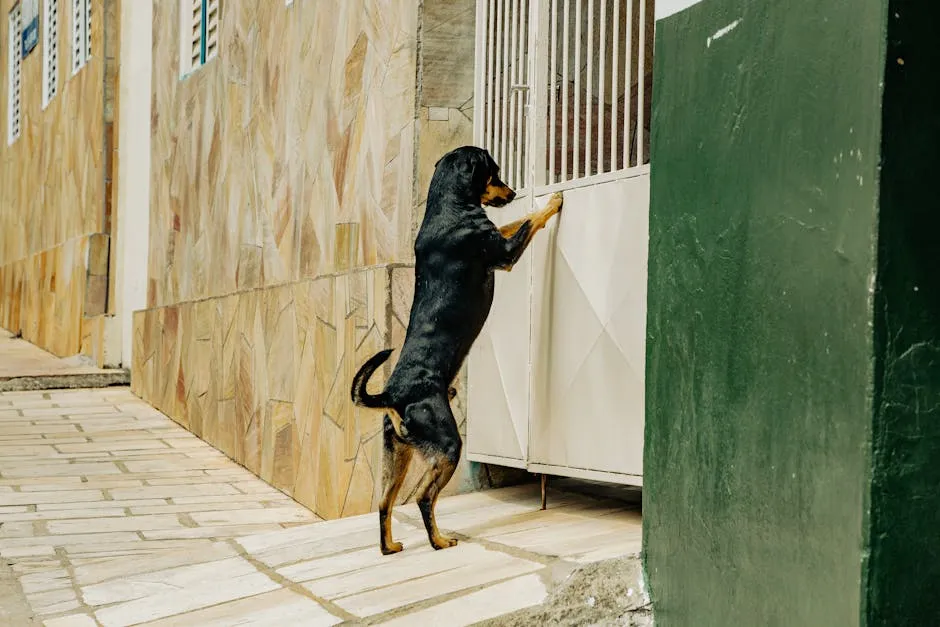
x=557 y=200
x=391 y=549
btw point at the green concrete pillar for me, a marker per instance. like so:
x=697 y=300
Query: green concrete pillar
x=792 y=459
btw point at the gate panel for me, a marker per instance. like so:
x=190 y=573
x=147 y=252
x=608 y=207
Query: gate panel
x=588 y=338
x=498 y=365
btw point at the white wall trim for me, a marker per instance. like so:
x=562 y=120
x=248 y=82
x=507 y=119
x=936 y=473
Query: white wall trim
x=133 y=174
x=665 y=8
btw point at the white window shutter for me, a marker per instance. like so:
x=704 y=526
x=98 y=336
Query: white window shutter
x=195 y=57
x=199 y=41
x=212 y=29
x=79 y=39
x=15 y=58
x=50 y=51
x=87 y=30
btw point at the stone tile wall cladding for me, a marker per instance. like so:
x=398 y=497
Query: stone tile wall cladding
x=288 y=181
x=53 y=194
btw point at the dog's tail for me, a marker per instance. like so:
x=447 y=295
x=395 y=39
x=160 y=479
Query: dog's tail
x=358 y=391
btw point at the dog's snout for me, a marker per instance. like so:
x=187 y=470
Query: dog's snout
x=510 y=196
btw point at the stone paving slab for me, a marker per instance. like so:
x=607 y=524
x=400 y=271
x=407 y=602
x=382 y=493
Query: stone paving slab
x=112 y=515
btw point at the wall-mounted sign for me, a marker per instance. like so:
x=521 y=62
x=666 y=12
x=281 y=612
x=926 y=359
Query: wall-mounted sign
x=30 y=22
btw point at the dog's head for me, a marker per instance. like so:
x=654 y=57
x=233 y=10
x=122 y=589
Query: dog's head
x=479 y=172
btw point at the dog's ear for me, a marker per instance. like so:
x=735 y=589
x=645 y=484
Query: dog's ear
x=479 y=169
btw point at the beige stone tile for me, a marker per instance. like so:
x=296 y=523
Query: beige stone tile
x=70 y=410
x=96 y=483
x=15 y=529
x=27 y=450
x=119 y=445
x=227 y=531
x=58 y=608
x=72 y=620
x=197 y=507
x=27 y=428
x=129 y=523
x=27 y=551
x=45 y=581
x=32 y=498
x=251 y=517
x=194 y=597
x=398 y=568
x=7 y=519
x=196 y=478
x=141 y=585
x=275 y=497
x=174 y=491
x=185 y=463
x=272 y=609
x=196 y=552
x=358 y=560
x=35 y=565
x=132 y=547
x=75 y=620
x=42 y=507
x=41 y=600
x=495 y=600
x=406 y=585
x=47 y=469
x=254 y=486
x=317 y=540
x=187 y=443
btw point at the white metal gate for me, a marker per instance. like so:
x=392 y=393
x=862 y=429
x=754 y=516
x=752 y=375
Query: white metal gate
x=562 y=101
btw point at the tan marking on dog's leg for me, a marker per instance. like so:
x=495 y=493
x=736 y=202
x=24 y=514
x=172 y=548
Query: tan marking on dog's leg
x=538 y=219
x=396 y=457
x=508 y=230
x=431 y=485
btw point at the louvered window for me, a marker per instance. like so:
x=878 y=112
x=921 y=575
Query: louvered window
x=81 y=34
x=50 y=51
x=201 y=37
x=14 y=64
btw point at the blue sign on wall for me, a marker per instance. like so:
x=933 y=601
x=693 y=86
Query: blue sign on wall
x=30 y=21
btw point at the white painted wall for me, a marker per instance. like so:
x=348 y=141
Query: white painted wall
x=133 y=168
x=665 y=8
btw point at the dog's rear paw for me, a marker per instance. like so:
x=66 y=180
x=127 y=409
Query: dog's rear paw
x=443 y=542
x=391 y=549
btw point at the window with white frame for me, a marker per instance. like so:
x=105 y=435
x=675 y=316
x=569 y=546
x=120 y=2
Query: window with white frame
x=50 y=51
x=200 y=33
x=14 y=65
x=563 y=87
x=81 y=34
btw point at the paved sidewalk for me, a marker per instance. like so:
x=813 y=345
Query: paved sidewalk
x=110 y=514
x=24 y=366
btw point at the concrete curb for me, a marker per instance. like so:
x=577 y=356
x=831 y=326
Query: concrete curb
x=65 y=381
x=610 y=592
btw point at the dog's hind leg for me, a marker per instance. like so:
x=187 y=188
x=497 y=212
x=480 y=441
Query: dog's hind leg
x=440 y=445
x=396 y=456
x=442 y=469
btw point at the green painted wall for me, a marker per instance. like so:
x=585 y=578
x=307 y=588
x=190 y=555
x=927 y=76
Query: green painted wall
x=761 y=362
x=904 y=570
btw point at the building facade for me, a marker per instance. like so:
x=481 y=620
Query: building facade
x=57 y=159
x=291 y=149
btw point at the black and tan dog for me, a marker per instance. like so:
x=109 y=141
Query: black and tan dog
x=456 y=252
